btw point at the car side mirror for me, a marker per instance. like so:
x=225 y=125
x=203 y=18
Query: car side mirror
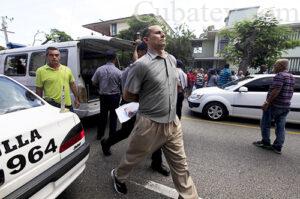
x=243 y=89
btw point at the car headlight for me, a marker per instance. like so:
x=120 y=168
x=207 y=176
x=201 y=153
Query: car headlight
x=195 y=96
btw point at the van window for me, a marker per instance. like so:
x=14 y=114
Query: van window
x=38 y=59
x=15 y=65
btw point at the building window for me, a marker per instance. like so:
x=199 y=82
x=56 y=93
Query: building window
x=222 y=43
x=294 y=65
x=198 y=50
x=113 y=29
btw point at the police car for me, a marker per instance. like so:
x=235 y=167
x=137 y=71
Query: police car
x=42 y=150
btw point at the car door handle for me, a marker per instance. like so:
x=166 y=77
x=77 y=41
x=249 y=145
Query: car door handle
x=2 y=178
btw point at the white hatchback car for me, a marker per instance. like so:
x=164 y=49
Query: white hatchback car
x=243 y=98
x=42 y=151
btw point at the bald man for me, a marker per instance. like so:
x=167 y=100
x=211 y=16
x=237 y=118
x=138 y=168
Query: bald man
x=152 y=81
x=277 y=107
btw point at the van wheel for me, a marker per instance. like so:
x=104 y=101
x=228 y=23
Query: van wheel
x=215 y=111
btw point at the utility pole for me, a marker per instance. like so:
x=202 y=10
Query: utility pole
x=4 y=28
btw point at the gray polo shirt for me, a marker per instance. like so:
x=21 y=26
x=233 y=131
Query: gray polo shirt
x=124 y=75
x=154 y=79
x=108 y=78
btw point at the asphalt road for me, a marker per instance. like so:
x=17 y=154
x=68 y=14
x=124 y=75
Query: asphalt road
x=222 y=161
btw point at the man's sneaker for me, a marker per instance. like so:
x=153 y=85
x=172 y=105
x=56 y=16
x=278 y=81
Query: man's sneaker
x=276 y=150
x=262 y=145
x=118 y=186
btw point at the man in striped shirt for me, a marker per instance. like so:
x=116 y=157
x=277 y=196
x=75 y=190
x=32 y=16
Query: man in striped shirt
x=277 y=106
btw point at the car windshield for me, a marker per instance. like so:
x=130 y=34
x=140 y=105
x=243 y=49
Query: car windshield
x=14 y=97
x=234 y=82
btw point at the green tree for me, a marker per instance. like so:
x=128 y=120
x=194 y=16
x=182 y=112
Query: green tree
x=2 y=48
x=256 y=42
x=179 y=44
x=137 y=25
x=56 y=35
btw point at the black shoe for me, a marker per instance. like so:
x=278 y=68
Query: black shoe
x=276 y=150
x=105 y=149
x=162 y=169
x=262 y=145
x=118 y=186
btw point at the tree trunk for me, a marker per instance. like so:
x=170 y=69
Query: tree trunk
x=243 y=66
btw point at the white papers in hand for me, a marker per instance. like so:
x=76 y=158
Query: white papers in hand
x=127 y=111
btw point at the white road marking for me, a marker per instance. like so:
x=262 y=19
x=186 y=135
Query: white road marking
x=159 y=188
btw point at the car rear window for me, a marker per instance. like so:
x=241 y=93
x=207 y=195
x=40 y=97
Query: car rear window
x=14 y=97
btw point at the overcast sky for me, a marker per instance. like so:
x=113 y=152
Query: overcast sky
x=30 y=16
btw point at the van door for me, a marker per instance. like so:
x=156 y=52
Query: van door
x=92 y=56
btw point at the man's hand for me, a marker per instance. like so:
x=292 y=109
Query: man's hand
x=76 y=103
x=265 y=106
x=130 y=97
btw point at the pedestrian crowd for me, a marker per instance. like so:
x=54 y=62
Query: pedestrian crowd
x=157 y=81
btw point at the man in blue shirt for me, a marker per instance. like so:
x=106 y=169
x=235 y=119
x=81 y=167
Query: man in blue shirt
x=225 y=75
x=108 y=80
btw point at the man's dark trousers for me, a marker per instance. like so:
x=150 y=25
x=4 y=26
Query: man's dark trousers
x=108 y=103
x=180 y=98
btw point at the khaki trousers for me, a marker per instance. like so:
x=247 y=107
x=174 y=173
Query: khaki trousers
x=146 y=137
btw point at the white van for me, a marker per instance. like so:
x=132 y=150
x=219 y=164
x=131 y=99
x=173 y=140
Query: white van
x=83 y=56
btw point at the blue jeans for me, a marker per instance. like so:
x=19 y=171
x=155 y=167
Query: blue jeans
x=279 y=116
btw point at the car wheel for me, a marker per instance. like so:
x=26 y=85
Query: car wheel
x=215 y=111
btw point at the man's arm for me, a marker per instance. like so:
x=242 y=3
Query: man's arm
x=74 y=91
x=135 y=54
x=130 y=97
x=39 y=91
x=269 y=100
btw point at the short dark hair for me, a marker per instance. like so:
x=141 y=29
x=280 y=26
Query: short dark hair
x=226 y=65
x=50 y=48
x=110 y=55
x=179 y=63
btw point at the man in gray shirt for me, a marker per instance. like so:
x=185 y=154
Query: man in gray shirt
x=108 y=80
x=152 y=82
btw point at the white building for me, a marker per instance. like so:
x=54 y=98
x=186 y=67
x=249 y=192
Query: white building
x=114 y=26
